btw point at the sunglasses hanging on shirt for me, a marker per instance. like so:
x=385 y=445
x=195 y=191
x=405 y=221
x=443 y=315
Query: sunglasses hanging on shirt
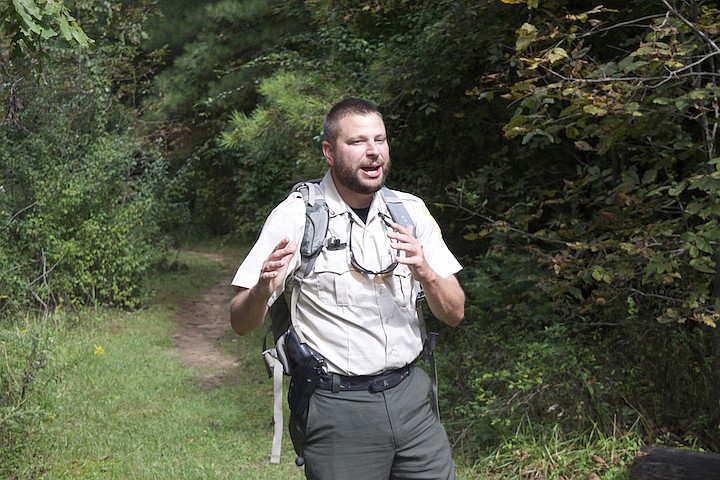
x=360 y=268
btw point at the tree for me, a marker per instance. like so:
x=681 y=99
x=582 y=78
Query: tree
x=618 y=106
x=25 y=28
x=214 y=72
x=650 y=117
x=76 y=173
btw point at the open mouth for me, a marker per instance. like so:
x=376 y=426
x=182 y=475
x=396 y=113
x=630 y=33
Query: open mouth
x=372 y=171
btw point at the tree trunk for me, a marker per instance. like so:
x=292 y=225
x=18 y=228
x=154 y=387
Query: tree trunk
x=657 y=463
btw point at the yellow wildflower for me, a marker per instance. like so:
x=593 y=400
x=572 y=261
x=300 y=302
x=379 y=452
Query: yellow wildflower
x=99 y=350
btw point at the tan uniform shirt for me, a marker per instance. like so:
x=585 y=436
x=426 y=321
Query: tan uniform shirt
x=362 y=324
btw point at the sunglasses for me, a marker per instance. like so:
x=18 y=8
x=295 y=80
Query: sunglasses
x=356 y=265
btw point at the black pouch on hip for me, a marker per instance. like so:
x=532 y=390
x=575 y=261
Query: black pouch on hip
x=303 y=383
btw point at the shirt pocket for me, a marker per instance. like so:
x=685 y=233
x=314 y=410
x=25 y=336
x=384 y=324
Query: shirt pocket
x=332 y=277
x=402 y=286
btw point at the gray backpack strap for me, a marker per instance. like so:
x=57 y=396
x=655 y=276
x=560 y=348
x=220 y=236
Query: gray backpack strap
x=399 y=214
x=317 y=219
x=397 y=210
x=317 y=224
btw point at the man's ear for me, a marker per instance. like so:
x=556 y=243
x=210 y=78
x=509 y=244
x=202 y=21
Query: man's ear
x=328 y=153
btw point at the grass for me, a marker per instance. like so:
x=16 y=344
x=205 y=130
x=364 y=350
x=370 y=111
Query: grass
x=122 y=405
x=542 y=452
x=115 y=401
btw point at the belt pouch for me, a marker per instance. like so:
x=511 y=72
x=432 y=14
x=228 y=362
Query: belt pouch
x=303 y=382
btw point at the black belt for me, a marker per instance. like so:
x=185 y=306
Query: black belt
x=372 y=383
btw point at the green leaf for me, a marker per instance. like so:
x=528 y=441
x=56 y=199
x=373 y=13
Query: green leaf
x=703 y=264
x=583 y=146
x=596 y=111
x=80 y=37
x=650 y=176
x=662 y=101
x=65 y=28
x=527 y=35
x=676 y=189
x=48 y=33
x=28 y=11
x=682 y=103
x=600 y=274
x=556 y=54
x=670 y=315
x=635 y=65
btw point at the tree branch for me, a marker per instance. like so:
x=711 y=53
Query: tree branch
x=692 y=26
x=629 y=23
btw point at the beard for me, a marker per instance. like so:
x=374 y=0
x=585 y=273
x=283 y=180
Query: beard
x=346 y=174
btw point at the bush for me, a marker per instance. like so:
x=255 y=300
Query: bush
x=522 y=359
x=81 y=196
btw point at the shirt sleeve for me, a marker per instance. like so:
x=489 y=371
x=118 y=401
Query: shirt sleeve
x=287 y=220
x=436 y=251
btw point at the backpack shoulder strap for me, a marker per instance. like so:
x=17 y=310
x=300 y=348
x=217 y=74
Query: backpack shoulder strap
x=282 y=315
x=315 y=230
x=317 y=223
x=399 y=214
x=397 y=210
x=317 y=218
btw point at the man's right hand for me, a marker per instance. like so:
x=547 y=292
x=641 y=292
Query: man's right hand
x=273 y=270
x=249 y=306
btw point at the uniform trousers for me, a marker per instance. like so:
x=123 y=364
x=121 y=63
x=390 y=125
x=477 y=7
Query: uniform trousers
x=388 y=435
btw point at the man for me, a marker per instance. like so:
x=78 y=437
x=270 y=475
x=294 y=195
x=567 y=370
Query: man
x=357 y=309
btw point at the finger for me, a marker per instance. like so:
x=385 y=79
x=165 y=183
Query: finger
x=273 y=265
x=280 y=247
x=283 y=249
x=403 y=230
x=404 y=239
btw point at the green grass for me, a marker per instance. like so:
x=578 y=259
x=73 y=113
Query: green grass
x=542 y=452
x=114 y=400
x=135 y=412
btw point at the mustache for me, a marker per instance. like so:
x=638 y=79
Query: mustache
x=377 y=163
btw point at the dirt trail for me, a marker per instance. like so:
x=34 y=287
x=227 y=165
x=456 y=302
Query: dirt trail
x=201 y=323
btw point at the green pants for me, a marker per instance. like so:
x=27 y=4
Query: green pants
x=389 y=435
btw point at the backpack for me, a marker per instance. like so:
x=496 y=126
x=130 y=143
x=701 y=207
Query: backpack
x=317 y=221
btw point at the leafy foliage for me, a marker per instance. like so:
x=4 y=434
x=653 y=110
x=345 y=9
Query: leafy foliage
x=571 y=157
x=616 y=217
x=80 y=193
x=84 y=198
x=640 y=212
x=27 y=24
x=209 y=75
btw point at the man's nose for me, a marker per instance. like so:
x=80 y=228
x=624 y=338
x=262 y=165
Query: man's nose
x=372 y=149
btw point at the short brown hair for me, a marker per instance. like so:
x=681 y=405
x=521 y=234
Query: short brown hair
x=347 y=106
